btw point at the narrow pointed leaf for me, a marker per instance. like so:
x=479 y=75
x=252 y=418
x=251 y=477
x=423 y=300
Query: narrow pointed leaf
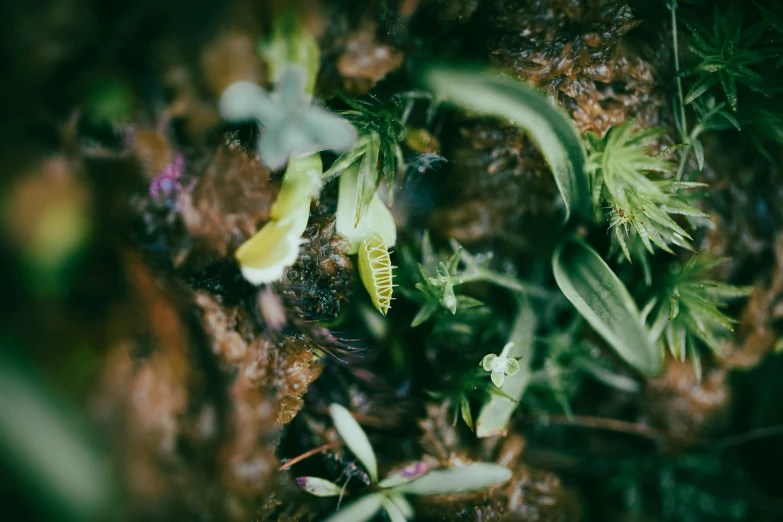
x=318 y=486
x=700 y=87
x=405 y=475
x=360 y=510
x=529 y=109
x=424 y=313
x=403 y=505
x=368 y=177
x=472 y=477
x=355 y=438
x=395 y=515
x=467 y=416
x=698 y=150
x=602 y=299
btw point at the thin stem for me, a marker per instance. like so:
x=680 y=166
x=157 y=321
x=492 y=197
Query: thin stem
x=320 y=449
x=683 y=121
x=649 y=432
x=687 y=151
x=508 y=282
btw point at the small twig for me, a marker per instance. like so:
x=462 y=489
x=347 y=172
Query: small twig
x=649 y=432
x=310 y=453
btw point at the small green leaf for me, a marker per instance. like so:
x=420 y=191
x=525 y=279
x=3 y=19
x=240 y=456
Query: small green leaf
x=701 y=86
x=471 y=477
x=291 y=42
x=368 y=177
x=529 y=109
x=407 y=474
x=318 y=486
x=360 y=510
x=698 y=149
x=424 y=313
x=402 y=504
x=602 y=299
x=467 y=416
x=395 y=515
x=355 y=438
x=730 y=88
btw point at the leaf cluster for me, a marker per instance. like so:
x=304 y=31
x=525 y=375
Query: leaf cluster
x=389 y=493
x=377 y=149
x=726 y=53
x=438 y=276
x=690 y=313
x=435 y=282
x=620 y=170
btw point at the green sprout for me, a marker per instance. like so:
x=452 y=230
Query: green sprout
x=727 y=53
x=690 y=315
x=620 y=167
x=439 y=278
x=389 y=493
x=380 y=134
x=500 y=365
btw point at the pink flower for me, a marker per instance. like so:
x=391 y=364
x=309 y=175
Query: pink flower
x=168 y=181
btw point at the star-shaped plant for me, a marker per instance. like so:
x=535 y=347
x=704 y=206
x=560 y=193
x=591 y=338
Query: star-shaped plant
x=500 y=365
x=727 y=53
x=438 y=278
x=690 y=313
x=291 y=123
x=620 y=167
x=389 y=493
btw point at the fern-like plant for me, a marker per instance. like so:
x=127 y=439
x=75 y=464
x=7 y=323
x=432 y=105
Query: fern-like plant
x=621 y=171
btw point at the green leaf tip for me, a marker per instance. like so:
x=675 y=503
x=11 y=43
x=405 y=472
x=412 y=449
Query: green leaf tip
x=360 y=510
x=355 y=438
x=471 y=477
x=554 y=133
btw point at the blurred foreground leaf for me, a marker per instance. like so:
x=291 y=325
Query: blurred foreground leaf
x=529 y=109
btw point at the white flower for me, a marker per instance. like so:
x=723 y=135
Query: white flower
x=291 y=123
x=500 y=365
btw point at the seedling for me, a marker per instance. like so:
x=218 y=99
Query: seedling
x=440 y=277
x=690 y=314
x=619 y=166
x=389 y=494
